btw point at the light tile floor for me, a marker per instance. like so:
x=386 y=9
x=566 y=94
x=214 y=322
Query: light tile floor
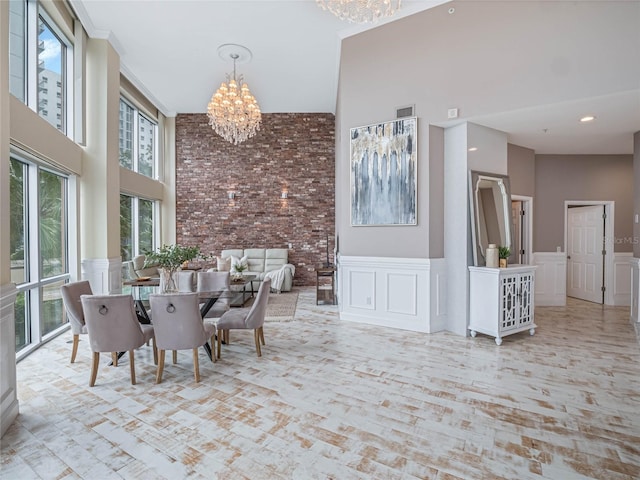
x=339 y=400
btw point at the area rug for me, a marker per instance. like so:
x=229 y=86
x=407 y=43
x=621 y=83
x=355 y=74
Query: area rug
x=281 y=307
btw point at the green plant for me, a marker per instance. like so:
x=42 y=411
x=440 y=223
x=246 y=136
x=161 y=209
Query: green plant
x=170 y=257
x=504 y=252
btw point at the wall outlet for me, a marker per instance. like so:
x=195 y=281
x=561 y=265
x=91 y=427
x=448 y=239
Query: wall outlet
x=290 y=245
x=452 y=113
x=558 y=250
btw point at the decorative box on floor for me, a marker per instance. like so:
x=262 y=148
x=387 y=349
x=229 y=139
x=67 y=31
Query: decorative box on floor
x=501 y=300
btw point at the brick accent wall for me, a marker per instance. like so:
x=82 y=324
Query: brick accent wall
x=292 y=152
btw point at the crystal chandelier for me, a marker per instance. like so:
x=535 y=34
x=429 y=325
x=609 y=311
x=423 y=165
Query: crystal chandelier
x=361 y=11
x=233 y=111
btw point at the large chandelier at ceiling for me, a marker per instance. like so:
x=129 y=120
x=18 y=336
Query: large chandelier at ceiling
x=233 y=111
x=361 y=11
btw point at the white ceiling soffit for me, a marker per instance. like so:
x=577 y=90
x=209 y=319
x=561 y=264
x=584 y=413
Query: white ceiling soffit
x=168 y=50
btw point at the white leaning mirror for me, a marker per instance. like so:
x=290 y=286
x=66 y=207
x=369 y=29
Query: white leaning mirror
x=490 y=197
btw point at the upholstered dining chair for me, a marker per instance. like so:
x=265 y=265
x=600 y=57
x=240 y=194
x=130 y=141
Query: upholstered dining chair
x=71 y=293
x=184 y=280
x=179 y=326
x=246 y=318
x=113 y=326
x=215 y=282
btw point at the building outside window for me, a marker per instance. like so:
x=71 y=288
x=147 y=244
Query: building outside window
x=40 y=54
x=138 y=140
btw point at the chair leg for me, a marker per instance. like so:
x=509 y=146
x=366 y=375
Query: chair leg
x=94 y=368
x=175 y=357
x=196 y=365
x=160 y=366
x=132 y=367
x=262 y=335
x=220 y=333
x=74 y=348
x=114 y=358
x=213 y=348
x=256 y=336
x=155 y=350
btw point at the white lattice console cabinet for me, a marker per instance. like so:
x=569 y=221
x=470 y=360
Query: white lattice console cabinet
x=501 y=300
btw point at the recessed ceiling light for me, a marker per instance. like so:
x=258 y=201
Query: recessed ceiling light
x=587 y=118
x=473 y=149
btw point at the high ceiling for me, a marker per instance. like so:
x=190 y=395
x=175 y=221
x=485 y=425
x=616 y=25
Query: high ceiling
x=169 y=48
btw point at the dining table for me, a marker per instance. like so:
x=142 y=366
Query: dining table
x=207 y=301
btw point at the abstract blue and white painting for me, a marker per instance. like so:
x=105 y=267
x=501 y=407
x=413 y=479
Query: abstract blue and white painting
x=384 y=160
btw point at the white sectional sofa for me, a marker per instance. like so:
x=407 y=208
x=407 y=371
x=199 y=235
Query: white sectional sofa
x=263 y=260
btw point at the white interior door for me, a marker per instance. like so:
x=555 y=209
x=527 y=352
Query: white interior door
x=585 y=244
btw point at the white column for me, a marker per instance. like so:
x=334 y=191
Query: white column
x=100 y=181
x=8 y=388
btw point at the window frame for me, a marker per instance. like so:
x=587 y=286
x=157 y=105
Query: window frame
x=135 y=138
x=33 y=12
x=36 y=283
x=135 y=223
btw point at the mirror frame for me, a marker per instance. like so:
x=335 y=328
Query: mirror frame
x=503 y=182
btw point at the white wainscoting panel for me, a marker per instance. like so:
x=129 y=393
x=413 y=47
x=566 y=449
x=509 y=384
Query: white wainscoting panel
x=635 y=288
x=622 y=279
x=104 y=275
x=551 y=279
x=362 y=283
x=8 y=383
x=406 y=293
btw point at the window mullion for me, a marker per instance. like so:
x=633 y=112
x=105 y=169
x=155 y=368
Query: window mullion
x=135 y=223
x=135 y=137
x=35 y=269
x=31 y=53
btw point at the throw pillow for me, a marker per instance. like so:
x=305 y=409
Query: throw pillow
x=242 y=262
x=223 y=264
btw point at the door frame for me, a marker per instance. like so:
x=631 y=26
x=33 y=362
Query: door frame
x=527 y=206
x=609 y=208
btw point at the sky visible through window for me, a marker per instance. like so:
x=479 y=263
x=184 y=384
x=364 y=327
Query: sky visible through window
x=51 y=55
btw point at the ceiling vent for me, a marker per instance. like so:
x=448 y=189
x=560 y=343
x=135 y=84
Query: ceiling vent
x=407 y=111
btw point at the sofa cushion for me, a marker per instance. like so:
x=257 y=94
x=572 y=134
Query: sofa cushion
x=276 y=258
x=236 y=252
x=223 y=264
x=255 y=259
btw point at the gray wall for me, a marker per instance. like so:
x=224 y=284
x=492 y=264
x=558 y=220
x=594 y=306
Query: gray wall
x=636 y=193
x=522 y=170
x=436 y=192
x=426 y=60
x=582 y=178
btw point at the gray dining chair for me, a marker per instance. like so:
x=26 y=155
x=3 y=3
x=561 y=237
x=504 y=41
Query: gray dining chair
x=71 y=293
x=215 y=282
x=113 y=326
x=249 y=318
x=179 y=326
x=184 y=280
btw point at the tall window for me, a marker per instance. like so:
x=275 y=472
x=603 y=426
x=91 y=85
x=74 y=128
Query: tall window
x=40 y=63
x=17 y=49
x=138 y=140
x=39 y=235
x=51 y=75
x=137 y=226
